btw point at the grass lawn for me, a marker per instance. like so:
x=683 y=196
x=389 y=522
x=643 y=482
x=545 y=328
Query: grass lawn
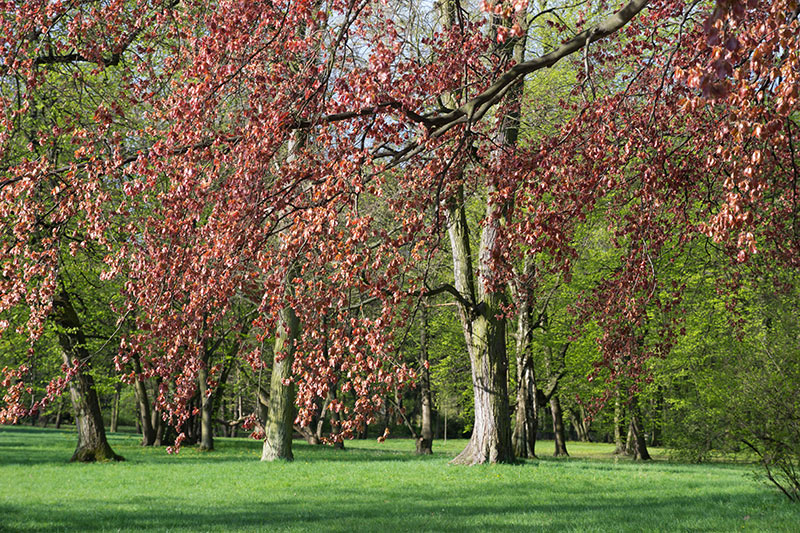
x=370 y=487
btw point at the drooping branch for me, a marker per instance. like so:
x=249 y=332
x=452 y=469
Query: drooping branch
x=476 y=108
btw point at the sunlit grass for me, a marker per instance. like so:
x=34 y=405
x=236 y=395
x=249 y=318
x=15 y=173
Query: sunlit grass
x=370 y=487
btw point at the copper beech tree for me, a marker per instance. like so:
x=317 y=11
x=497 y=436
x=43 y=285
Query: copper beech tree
x=307 y=155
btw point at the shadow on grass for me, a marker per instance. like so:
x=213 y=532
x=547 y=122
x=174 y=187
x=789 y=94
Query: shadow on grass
x=393 y=510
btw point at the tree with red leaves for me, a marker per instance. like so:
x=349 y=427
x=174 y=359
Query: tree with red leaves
x=234 y=154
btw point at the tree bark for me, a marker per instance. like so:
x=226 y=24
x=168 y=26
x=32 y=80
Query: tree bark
x=59 y=412
x=206 y=411
x=425 y=440
x=484 y=334
x=481 y=314
x=280 y=414
x=145 y=414
x=619 y=447
x=526 y=421
x=579 y=421
x=558 y=427
x=115 y=408
x=92 y=443
x=279 y=425
x=638 y=444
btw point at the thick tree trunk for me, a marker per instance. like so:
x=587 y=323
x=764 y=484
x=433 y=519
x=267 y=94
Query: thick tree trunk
x=481 y=313
x=491 y=434
x=280 y=414
x=145 y=415
x=484 y=334
x=92 y=443
x=558 y=427
x=425 y=440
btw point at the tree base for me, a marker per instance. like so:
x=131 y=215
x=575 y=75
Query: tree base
x=424 y=446
x=475 y=454
x=101 y=454
x=271 y=453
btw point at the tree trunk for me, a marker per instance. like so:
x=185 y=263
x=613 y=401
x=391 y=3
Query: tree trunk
x=92 y=443
x=115 y=407
x=484 y=334
x=145 y=415
x=280 y=415
x=619 y=448
x=60 y=412
x=483 y=318
x=206 y=411
x=558 y=427
x=579 y=421
x=526 y=421
x=338 y=444
x=638 y=444
x=425 y=440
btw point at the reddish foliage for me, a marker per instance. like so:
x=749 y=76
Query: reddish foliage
x=186 y=157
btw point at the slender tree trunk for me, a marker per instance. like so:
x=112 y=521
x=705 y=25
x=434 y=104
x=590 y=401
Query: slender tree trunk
x=425 y=440
x=579 y=421
x=558 y=427
x=160 y=428
x=34 y=416
x=206 y=410
x=92 y=443
x=60 y=412
x=619 y=447
x=145 y=415
x=318 y=431
x=638 y=444
x=115 y=407
x=338 y=444
x=526 y=421
x=280 y=415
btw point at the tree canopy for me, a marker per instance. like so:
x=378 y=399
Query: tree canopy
x=308 y=159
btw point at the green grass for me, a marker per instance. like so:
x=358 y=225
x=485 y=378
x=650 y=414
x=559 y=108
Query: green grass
x=370 y=487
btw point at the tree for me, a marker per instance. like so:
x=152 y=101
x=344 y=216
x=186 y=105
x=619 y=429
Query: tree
x=213 y=206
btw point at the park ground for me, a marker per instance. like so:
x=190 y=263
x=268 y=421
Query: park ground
x=371 y=486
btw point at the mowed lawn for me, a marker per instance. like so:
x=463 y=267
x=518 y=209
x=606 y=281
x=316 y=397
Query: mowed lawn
x=370 y=487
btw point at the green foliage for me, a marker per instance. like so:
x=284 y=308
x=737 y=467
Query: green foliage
x=451 y=376
x=735 y=376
